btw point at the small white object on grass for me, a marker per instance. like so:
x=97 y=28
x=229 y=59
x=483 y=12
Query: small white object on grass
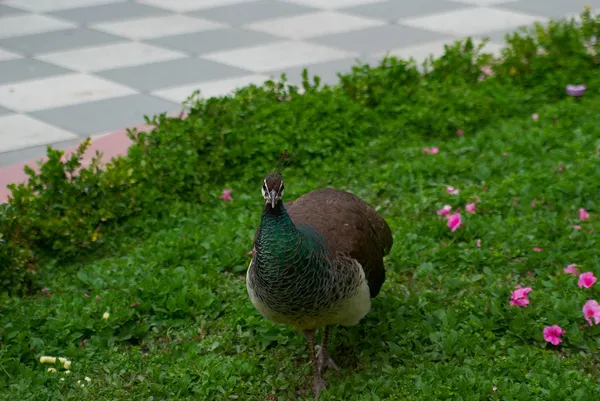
x=66 y=363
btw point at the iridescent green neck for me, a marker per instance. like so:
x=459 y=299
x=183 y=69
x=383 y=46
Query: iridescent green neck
x=281 y=244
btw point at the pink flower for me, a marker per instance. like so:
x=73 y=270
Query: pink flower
x=452 y=190
x=591 y=309
x=459 y=132
x=519 y=297
x=583 y=214
x=226 y=195
x=576 y=227
x=535 y=116
x=552 y=334
x=454 y=221
x=537 y=249
x=478 y=243
x=487 y=70
x=571 y=269
x=494 y=388
x=470 y=207
x=445 y=210
x=426 y=150
x=586 y=280
x=434 y=151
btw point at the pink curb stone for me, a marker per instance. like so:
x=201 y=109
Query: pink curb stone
x=111 y=145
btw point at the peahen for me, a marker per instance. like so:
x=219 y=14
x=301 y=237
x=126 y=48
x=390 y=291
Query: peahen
x=317 y=261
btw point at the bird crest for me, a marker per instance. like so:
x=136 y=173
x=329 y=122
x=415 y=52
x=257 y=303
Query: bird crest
x=285 y=159
x=274 y=177
x=273 y=180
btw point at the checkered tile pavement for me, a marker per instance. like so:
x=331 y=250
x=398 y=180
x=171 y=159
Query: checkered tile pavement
x=73 y=68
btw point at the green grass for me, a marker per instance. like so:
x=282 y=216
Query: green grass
x=441 y=329
x=181 y=325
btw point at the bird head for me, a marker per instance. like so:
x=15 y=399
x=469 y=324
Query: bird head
x=272 y=189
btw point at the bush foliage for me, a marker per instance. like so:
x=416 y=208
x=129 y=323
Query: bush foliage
x=59 y=213
x=145 y=238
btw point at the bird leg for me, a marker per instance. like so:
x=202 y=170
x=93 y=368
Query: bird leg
x=323 y=359
x=318 y=383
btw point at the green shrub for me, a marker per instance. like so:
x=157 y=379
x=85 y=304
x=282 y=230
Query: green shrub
x=64 y=210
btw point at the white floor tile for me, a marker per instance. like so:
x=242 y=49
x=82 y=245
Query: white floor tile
x=54 y=5
x=333 y=4
x=154 y=27
x=279 y=55
x=62 y=90
x=471 y=21
x=6 y=55
x=190 y=5
x=106 y=57
x=210 y=89
x=313 y=24
x=19 y=132
x=100 y=135
x=28 y=24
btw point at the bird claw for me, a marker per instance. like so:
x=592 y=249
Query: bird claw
x=319 y=385
x=324 y=361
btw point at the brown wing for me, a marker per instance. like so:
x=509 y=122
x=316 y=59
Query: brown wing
x=350 y=227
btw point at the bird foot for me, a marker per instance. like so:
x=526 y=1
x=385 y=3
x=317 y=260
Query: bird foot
x=318 y=385
x=324 y=361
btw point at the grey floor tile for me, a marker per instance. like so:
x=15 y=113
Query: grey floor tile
x=326 y=71
x=551 y=8
x=24 y=68
x=109 y=12
x=246 y=13
x=392 y=10
x=57 y=41
x=106 y=115
x=151 y=77
x=199 y=43
x=379 y=39
x=33 y=153
x=5 y=11
x=4 y=111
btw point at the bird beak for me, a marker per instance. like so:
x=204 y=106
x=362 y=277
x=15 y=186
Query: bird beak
x=273 y=198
